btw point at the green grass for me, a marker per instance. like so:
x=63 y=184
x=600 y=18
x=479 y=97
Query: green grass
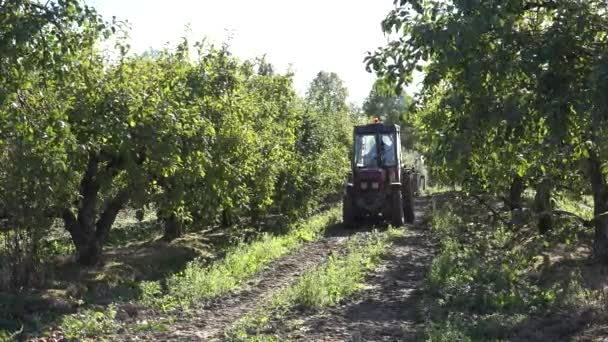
x=161 y=325
x=489 y=280
x=323 y=286
x=8 y=335
x=340 y=276
x=582 y=207
x=199 y=281
x=90 y=323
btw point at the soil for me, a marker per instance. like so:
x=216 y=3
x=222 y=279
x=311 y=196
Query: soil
x=209 y=320
x=389 y=307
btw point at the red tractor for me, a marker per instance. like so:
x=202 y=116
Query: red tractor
x=379 y=184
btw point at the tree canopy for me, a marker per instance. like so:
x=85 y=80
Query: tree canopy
x=86 y=132
x=511 y=91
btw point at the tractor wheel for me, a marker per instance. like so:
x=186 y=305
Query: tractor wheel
x=348 y=212
x=397 y=218
x=408 y=205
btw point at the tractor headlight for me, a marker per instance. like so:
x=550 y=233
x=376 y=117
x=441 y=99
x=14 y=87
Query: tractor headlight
x=375 y=185
x=363 y=185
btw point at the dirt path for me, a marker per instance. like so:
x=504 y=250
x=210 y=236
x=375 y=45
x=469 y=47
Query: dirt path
x=388 y=309
x=211 y=319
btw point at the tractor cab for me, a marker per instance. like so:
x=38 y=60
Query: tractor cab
x=377 y=184
x=377 y=154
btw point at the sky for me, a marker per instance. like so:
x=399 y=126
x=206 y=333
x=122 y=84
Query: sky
x=307 y=35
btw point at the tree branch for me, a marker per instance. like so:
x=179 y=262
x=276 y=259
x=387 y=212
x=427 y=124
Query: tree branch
x=495 y=214
x=585 y=223
x=549 y=4
x=112 y=207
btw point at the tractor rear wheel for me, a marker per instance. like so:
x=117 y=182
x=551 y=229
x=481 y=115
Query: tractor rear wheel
x=348 y=212
x=397 y=218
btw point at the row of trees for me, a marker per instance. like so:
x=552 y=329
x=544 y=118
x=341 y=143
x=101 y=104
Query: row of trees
x=86 y=132
x=514 y=95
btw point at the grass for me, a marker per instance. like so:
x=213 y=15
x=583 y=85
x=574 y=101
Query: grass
x=321 y=287
x=491 y=281
x=199 y=282
x=582 y=207
x=9 y=335
x=90 y=323
x=340 y=276
x=160 y=325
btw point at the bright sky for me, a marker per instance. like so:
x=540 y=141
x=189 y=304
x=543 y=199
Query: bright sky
x=309 y=35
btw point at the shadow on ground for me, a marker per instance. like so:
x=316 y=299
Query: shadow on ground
x=135 y=253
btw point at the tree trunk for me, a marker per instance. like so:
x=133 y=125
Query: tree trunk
x=515 y=192
x=174 y=228
x=542 y=206
x=89 y=234
x=600 y=207
x=89 y=253
x=226 y=218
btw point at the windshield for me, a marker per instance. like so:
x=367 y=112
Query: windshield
x=366 y=152
x=387 y=146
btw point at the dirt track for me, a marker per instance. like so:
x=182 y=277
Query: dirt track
x=209 y=320
x=386 y=310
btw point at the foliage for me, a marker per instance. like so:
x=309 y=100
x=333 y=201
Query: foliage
x=40 y=46
x=85 y=133
x=383 y=102
x=322 y=146
x=446 y=333
x=511 y=92
x=488 y=278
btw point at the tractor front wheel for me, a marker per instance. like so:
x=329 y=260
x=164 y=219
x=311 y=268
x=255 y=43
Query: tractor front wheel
x=348 y=214
x=397 y=209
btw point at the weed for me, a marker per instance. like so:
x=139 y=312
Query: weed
x=9 y=335
x=90 y=323
x=449 y=331
x=146 y=326
x=485 y=280
x=340 y=276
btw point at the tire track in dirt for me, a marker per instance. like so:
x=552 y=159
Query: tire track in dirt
x=210 y=319
x=388 y=309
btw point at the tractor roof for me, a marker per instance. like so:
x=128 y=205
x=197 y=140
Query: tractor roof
x=375 y=128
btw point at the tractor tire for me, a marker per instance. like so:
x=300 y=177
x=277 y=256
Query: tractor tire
x=397 y=218
x=408 y=205
x=348 y=212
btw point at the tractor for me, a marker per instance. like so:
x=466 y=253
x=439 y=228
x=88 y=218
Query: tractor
x=379 y=184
